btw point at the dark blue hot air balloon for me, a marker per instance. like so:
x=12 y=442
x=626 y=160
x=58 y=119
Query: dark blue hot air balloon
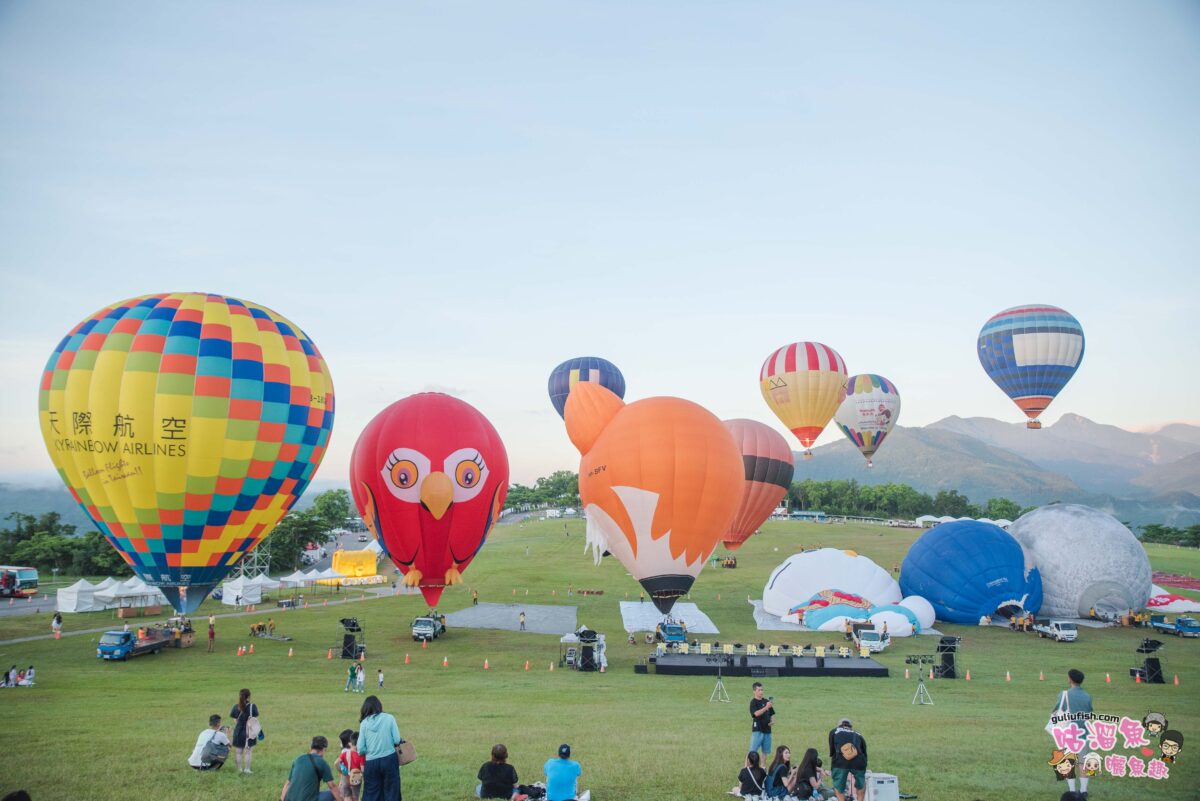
x=968 y=569
x=583 y=368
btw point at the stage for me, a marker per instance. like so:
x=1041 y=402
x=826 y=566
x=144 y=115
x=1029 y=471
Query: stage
x=670 y=664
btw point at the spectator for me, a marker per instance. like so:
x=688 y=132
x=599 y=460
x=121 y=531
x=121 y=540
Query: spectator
x=808 y=778
x=212 y=746
x=350 y=676
x=521 y=620
x=562 y=776
x=360 y=679
x=762 y=714
x=212 y=635
x=243 y=744
x=56 y=623
x=752 y=777
x=474 y=597
x=308 y=771
x=848 y=750
x=380 y=672
x=781 y=777
x=378 y=736
x=1075 y=700
x=497 y=778
x=350 y=766
x=27 y=679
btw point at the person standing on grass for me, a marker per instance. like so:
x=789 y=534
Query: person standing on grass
x=521 y=619
x=308 y=771
x=350 y=676
x=56 y=623
x=212 y=636
x=360 y=679
x=380 y=678
x=474 y=597
x=848 y=751
x=762 y=714
x=243 y=744
x=378 y=736
x=1074 y=699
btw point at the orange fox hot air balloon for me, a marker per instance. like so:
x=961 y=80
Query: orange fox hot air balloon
x=803 y=383
x=660 y=480
x=767 y=465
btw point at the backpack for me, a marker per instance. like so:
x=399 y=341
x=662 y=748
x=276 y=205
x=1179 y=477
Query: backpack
x=849 y=751
x=214 y=752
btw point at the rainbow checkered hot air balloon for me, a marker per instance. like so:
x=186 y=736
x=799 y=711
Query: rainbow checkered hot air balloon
x=186 y=425
x=1031 y=352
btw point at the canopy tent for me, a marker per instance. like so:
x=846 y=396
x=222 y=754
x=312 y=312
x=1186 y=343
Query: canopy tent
x=263 y=582
x=104 y=585
x=374 y=547
x=130 y=593
x=295 y=579
x=239 y=591
x=77 y=598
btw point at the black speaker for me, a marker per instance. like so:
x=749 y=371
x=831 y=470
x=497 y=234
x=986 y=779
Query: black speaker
x=946 y=670
x=1153 y=668
x=587 y=660
x=349 y=647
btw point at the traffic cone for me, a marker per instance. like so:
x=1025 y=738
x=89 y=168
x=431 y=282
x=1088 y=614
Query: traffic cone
x=362 y=657
x=906 y=673
x=406 y=659
x=289 y=653
x=601 y=667
x=1107 y=678
x=968 y=675
x=1176 y=679
x=551 y=667
x=306 y=604
x=330 y=654
x=445 y=661
x=1137 y=678
x=58 y=636
x=238 y=652
x=485 y=664
x=424 y=643
x=251 y=648
x=1007 y=676
x=931 y=673
x=1041 y=675
x=527 y=666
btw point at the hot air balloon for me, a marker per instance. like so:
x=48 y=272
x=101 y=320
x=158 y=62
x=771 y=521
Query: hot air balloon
x=768 y=466
x=968 y=569
x=1031 y=352
x=186 y=425
x=660 y=480
x=803 y=383
x=868 y=412
x=583 y=368
x=803 y=575
x=429 y=475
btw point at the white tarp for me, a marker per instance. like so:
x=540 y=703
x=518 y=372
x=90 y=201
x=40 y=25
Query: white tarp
x=77 y=598
x=644 y=616
x=239 y=592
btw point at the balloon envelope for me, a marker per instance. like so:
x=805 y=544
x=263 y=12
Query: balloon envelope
x=803 y=383
x=583 y=368
x=1031 y=352
x=429 y=475
x=967 y=569
x=868 y=412
x=660 y=479
x=804 y=575
x=768 y=466
x=186 y=425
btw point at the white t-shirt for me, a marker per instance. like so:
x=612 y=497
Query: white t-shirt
x=217 y=737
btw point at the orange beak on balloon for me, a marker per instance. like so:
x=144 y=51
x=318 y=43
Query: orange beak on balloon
x=437 y=493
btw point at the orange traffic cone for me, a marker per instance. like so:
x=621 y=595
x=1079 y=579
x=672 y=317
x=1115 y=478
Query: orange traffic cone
x=238 y=652
x=330 y=654
x=485 y=664
x=1176 y=679
x=58 y=636
x=1041 y=675
x=906 y=673
x=968 y=675
x=306 y=604
x=1007 y=676
x=1137 y=678
x=931 y=673
x=406 y=659
x=289 y=653
x=1108 y=678
x=527 y=666
x=445 y=661
x=424 y=643
x=362 y=657
x=251 y=648
x=601 y=667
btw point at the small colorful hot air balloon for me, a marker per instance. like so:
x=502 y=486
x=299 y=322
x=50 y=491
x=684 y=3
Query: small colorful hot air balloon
x=583 y=368
x=867 y=414
x=186 y=425
x=429 y=475
x=768 y=467
x=660 y=480
x=1031 y=352
x=803 y=383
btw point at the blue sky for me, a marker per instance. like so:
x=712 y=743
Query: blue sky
x=461 y=195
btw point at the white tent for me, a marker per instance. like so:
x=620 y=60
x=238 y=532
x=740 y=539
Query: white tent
x=240 y=591
x=375 y=548
x=77 y=598
x=264 y=582
x=130 y=593
x=295 y=579
x=104 y=585
x=329 y=574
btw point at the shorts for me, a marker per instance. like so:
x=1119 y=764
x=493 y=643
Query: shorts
x=761 y=741
x=839 y=779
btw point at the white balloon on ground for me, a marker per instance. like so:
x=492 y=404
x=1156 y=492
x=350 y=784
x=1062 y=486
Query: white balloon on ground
x=801 y=576
x=921 y=608
x=1086 y=559
x=1167 y=602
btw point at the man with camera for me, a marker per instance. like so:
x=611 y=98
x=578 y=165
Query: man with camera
x=762 y=712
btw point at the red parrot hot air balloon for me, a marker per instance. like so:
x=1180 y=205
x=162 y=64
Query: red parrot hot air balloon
x=429 y=475
x=769 y=466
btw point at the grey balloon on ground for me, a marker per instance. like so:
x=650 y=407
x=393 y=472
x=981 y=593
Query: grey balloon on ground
x=1086 y=559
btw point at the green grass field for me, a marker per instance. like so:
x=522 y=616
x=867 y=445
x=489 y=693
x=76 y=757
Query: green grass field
x=96 y=731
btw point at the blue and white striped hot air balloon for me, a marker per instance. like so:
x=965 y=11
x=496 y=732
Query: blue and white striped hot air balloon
x=1031 y=352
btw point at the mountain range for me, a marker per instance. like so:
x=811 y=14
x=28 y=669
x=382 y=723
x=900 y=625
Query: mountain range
x=1138 y=477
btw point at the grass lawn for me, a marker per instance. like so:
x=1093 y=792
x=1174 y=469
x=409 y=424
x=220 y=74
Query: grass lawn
x=96 y=731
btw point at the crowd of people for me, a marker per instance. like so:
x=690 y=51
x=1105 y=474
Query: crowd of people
x=806 y=778
x=18 y=678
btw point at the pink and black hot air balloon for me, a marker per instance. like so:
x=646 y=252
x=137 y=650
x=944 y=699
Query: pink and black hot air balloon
x=769 y=466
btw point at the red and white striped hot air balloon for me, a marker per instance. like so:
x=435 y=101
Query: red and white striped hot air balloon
x=803 y=383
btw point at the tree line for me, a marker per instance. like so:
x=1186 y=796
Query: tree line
x=1187 y=537
x=848 y=497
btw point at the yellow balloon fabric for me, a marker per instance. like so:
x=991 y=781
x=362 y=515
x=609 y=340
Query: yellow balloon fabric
x=803 y=383
x=186 y=425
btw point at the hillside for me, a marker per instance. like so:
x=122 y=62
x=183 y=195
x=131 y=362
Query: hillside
x=1179 y=476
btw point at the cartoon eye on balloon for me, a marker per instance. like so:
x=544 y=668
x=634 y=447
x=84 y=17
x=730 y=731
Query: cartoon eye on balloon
x=1031 y=352
x=186 y=425
x=803 y=383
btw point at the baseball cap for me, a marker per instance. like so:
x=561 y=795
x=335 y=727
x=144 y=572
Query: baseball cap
x=564 y=750
x=845 y=722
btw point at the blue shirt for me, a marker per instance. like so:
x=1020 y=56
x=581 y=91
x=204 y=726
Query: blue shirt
x=560 y=778
x=378 y=736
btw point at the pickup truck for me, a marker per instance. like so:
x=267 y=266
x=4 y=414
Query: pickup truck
x=1058 y=630
x=124 y=644
x=871 y=639
x=670 y=633
x=427 y=628
x=1181 y=627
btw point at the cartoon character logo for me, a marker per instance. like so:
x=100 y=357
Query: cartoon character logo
x=1091 y=764
x=1063 y=763
x=1155 y=723
x=849 y=751
x=1172 y=744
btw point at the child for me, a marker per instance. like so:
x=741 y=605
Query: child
x=380 y=679
x=360 y=681
x=350 y=766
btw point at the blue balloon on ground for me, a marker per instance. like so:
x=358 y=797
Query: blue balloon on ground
x=967 y=569
x=583 y=368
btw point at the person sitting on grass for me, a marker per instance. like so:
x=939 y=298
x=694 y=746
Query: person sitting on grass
x=212 y=746
x=497 y=778
x=752 y=777
x=782 y=777
x=562 y=776
x=808 y=779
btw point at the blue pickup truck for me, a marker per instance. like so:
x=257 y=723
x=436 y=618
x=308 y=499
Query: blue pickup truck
x=671 y=633
x=120 y=645
x=1181 y=627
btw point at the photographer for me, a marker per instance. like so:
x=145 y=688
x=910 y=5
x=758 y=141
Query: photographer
x=762 y=713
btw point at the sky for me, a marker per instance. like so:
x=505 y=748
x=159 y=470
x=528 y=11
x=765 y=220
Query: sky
x=457 y=196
